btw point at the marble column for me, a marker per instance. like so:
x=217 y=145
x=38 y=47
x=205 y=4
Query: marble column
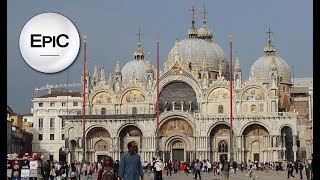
x=173 y=105
x=181 y=106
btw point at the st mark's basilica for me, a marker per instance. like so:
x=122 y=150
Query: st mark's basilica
x=194 y=104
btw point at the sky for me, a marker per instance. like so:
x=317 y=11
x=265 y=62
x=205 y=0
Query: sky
x=112 y=26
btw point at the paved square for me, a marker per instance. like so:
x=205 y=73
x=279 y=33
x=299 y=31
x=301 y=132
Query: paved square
x=209 y=176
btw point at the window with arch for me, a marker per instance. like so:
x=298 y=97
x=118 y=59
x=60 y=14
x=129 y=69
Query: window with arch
x=220 y=109
x=103 y=111
x=134 y=110
x=223 y=146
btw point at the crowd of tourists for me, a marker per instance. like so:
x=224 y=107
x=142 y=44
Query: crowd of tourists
x=130 y=167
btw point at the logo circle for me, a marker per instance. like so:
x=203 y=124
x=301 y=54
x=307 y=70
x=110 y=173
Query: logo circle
x=49 y=42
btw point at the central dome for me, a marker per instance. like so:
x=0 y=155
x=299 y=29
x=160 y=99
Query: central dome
x=196 y=50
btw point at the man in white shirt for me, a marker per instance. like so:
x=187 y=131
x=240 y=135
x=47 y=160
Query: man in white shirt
x=158 y=166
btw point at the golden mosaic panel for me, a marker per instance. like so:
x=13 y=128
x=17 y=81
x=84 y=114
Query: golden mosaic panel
x=219 y=94
x=252 y=94
x=133 y=96
x=102 y=98
x=176 y=126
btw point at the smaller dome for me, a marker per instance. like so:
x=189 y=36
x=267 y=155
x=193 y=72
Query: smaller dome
x=205 y=32
x=137 y=69
x=192 y=31
x=138 y=53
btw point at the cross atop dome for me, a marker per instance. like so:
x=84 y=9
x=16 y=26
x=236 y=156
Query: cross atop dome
x=139 y=34
x=138 y=53
x=269 y=32
x=192 y=32
x=204 y=12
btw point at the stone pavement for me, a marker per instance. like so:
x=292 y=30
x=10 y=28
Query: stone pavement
x=272 y=175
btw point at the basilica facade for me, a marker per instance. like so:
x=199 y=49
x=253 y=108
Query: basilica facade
x=194 y=106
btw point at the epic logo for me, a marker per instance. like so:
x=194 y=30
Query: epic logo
x=49 y=42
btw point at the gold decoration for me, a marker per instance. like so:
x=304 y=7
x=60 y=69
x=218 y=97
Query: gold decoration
x=230 y=36
x=102 y=98
x=84 y=37
x=176 y=70
x=176 y=126
x=219 y=94
x=252 y=94
x=133 y=96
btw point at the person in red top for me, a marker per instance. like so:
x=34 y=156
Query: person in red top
x=182 y=167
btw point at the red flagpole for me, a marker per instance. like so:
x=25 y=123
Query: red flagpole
x=84 y=98
x=230 y=37
x=157 y=111
x=231 y=128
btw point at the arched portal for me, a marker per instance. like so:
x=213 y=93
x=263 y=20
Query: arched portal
x=255 y=143
x=219 y=140
x=177 y=148
x=287 y=142
x=127 y=134
x=177 y=133
x=98 y=143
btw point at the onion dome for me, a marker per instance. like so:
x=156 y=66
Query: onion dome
x=136 y=68
x=138 y=53
x=205 y=32
x=260 y=70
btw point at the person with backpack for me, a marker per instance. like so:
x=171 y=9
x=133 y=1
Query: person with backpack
x=198 y=169
x=225 y=169
x=158 y=167
x=106 y=172
x=73 y=172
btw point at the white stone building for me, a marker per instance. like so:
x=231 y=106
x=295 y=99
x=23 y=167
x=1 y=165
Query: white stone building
x=49 y=130
x=194 y=96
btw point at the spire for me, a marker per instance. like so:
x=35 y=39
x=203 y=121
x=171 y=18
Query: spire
x=95 y=74
x=118 y=69
x=102 y=75
x=237 y=66
x=110 y=79
x=138 y=53
x=269 y=49
x=149 y=65
x=192 y=32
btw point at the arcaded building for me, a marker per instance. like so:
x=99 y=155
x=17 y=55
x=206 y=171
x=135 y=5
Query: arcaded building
x=194 y=107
